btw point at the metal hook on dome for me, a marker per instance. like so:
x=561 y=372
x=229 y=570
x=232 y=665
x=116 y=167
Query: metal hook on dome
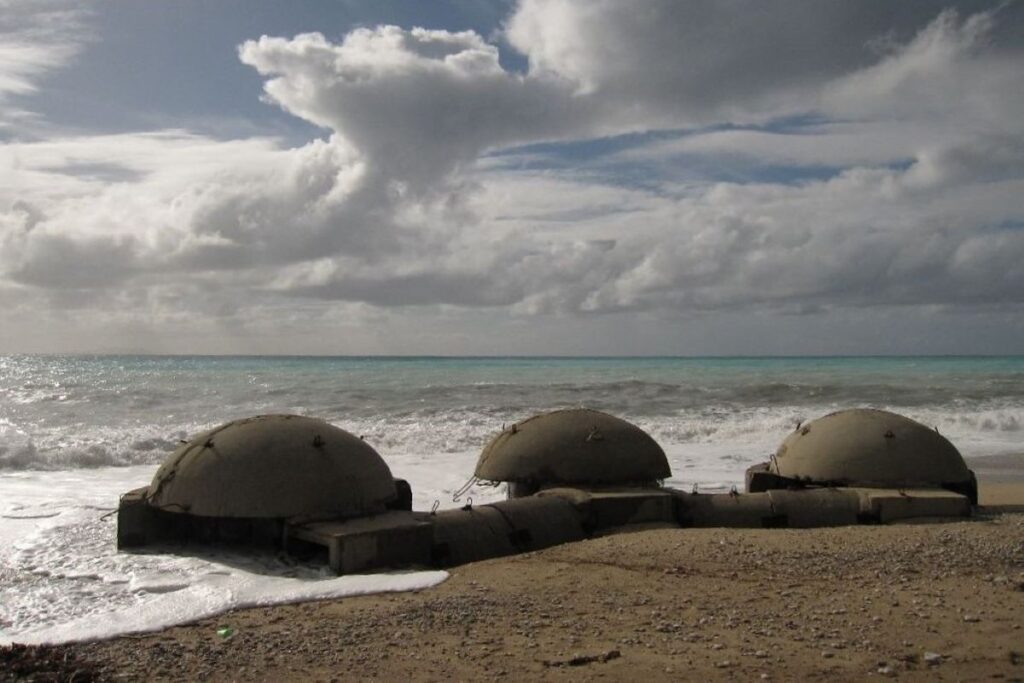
x=469 y=504
x=462 y=490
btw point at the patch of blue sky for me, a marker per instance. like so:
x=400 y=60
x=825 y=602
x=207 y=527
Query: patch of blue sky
x=734 y=170
x=649 y=174
x=740 y=171
x=175 y=64
x=609 y=160
x=590 y=149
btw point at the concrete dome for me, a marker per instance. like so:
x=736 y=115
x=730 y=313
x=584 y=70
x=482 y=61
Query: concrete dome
x=577 y=446
x=874 y=448
x=273 y=466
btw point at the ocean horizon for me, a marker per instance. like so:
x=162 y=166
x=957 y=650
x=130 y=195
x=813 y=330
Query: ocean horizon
x=89 y=410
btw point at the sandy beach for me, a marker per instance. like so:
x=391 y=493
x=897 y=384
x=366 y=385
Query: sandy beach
x=923 y=601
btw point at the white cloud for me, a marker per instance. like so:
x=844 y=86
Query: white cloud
x=174 y=201
x=395 y=210
x=415 y=103
x=950 y=70
x=36 y=37
x=663 y=62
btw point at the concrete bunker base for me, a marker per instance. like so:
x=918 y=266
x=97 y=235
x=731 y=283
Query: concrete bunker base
x=893 y=505
x=759 y=479
x=818 y=507
x=563 y=515
x=403 y=538
x=139 y=523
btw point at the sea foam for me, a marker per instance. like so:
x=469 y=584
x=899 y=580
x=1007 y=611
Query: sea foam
x=62 y=578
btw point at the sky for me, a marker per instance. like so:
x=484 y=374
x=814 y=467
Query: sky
x=492 y=177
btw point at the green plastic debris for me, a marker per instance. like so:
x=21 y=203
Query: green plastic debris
x=225 y=632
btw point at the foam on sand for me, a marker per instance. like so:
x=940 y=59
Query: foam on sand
x=161 y=604
x=64 y=580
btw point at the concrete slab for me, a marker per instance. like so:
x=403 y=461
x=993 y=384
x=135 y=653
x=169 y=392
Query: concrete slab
x=391 y=539
x=890 y=505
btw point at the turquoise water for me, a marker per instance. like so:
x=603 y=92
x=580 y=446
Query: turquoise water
x=60 y=412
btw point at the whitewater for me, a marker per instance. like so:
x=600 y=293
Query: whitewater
x=78 y=431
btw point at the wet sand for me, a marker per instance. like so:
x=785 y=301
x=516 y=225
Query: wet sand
x=922 y=601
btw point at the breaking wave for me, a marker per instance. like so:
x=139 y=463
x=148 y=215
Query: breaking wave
x=84 y=412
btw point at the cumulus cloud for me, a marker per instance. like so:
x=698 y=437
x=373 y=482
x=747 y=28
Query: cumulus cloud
x=416 y=103
x=176 y=202
x=950 y=78
x=915 y=111
x=679 y=64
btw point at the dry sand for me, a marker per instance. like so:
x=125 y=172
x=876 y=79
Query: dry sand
x=926 y=601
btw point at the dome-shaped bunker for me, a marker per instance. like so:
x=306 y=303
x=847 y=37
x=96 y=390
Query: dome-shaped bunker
x=273 y=466
x=871 y=448
x=576 y=446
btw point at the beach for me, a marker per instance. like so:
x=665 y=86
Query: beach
x=925 y=600
x=922 y=601
x=307 y=310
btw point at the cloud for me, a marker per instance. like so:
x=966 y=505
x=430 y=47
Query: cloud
x=953 y=69
x=36 y=37
x=416 y=103
x=679 y=64
x=915 y=112
x=864 y=238
x=178 y=202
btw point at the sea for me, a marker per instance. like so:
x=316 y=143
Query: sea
x=78 y=431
